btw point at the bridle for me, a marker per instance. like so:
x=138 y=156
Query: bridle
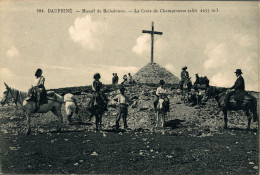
x=4 y=102
x=15 y=97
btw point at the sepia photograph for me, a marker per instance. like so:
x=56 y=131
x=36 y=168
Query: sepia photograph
x=129 y=87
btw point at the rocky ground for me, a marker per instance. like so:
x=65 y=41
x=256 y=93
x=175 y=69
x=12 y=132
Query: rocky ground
x=193 y=141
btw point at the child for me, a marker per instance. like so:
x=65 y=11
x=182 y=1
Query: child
x=123 y=104
x=161 y=93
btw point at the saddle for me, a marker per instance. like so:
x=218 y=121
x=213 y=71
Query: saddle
x=44 y=95
x=97 y=100
x=239 y=98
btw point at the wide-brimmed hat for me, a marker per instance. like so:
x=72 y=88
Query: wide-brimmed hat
x=238 y=71
x=184 y=67
x=162 y=82
x=97 y=75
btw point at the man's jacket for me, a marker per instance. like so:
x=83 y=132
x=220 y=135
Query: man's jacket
x=239 y=84
x=184 y=75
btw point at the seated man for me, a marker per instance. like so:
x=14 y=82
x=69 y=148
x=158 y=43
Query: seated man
x=97 y=93
x=184 y=76
x=161 y=94
x=38 y=90
x=239 y=88
x=198 y=81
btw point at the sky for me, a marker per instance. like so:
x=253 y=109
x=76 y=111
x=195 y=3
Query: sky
x=71 y=47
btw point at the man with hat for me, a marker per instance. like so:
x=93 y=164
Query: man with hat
x=161 y=93
x=123 y=102
x=239 y=88
x=184 y=76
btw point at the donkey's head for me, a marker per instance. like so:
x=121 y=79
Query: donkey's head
x=6 y=95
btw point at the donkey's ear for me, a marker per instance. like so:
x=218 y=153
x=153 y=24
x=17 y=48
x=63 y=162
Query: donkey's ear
x=6 y=85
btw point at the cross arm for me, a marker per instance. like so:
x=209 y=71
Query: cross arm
x=158 y=33
x=147 y=31
x=152 y=32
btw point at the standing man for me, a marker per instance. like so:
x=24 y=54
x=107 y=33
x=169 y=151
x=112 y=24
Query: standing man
x=123 y=102
x=238 y=88
x=116 y=78
x=130 y=78
x=113 y=78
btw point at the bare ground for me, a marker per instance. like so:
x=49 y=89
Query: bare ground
x=194 y=142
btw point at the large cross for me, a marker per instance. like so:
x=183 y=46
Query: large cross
x=152 y=33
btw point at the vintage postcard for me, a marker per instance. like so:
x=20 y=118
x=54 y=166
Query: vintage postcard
x=129 y=87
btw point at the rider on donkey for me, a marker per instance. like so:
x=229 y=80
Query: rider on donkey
x=161 y=94
x=198 y=80
x=38 y=89
x=184 y=76
x=96 y=87
x=239 y=89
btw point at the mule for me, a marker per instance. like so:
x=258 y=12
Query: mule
x=249 y=104
x=54 y=104
x=97 y=110
x=202 y=82
x=161 y=111
x=186 y=86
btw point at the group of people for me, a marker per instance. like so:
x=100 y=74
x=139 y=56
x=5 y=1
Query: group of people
x=115 y=78
x=237 y=89
x=123 y=101
x=126 y=79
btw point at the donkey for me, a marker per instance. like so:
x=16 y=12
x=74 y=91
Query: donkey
x=54 y=104
x=160 y=113
x=249 y=104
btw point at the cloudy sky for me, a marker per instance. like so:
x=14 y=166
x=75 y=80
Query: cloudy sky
x=70 y=48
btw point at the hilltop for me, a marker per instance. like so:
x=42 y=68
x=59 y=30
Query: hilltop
x=153 y=73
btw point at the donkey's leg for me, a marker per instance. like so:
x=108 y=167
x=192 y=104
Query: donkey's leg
x=28 y=117
x=57 y=111
x=225 y=118
x=157 y=119
x=97 y=121
x=100 y=121
x=163 y=119
x=255 y=115
x=249 y=118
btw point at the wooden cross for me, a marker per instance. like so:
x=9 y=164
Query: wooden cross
x=152 y=33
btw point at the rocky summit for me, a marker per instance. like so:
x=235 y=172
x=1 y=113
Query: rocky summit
x=153 y=73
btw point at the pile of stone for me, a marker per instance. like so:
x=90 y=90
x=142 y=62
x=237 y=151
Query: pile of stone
x=153 y=73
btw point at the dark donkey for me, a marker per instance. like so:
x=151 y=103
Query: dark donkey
x=249 y=104
x=97 y=109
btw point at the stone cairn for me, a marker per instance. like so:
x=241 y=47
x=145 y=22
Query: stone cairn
x=153 y=73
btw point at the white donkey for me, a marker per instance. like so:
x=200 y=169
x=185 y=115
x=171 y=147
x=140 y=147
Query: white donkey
x=160 y=113
x=54 y=104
